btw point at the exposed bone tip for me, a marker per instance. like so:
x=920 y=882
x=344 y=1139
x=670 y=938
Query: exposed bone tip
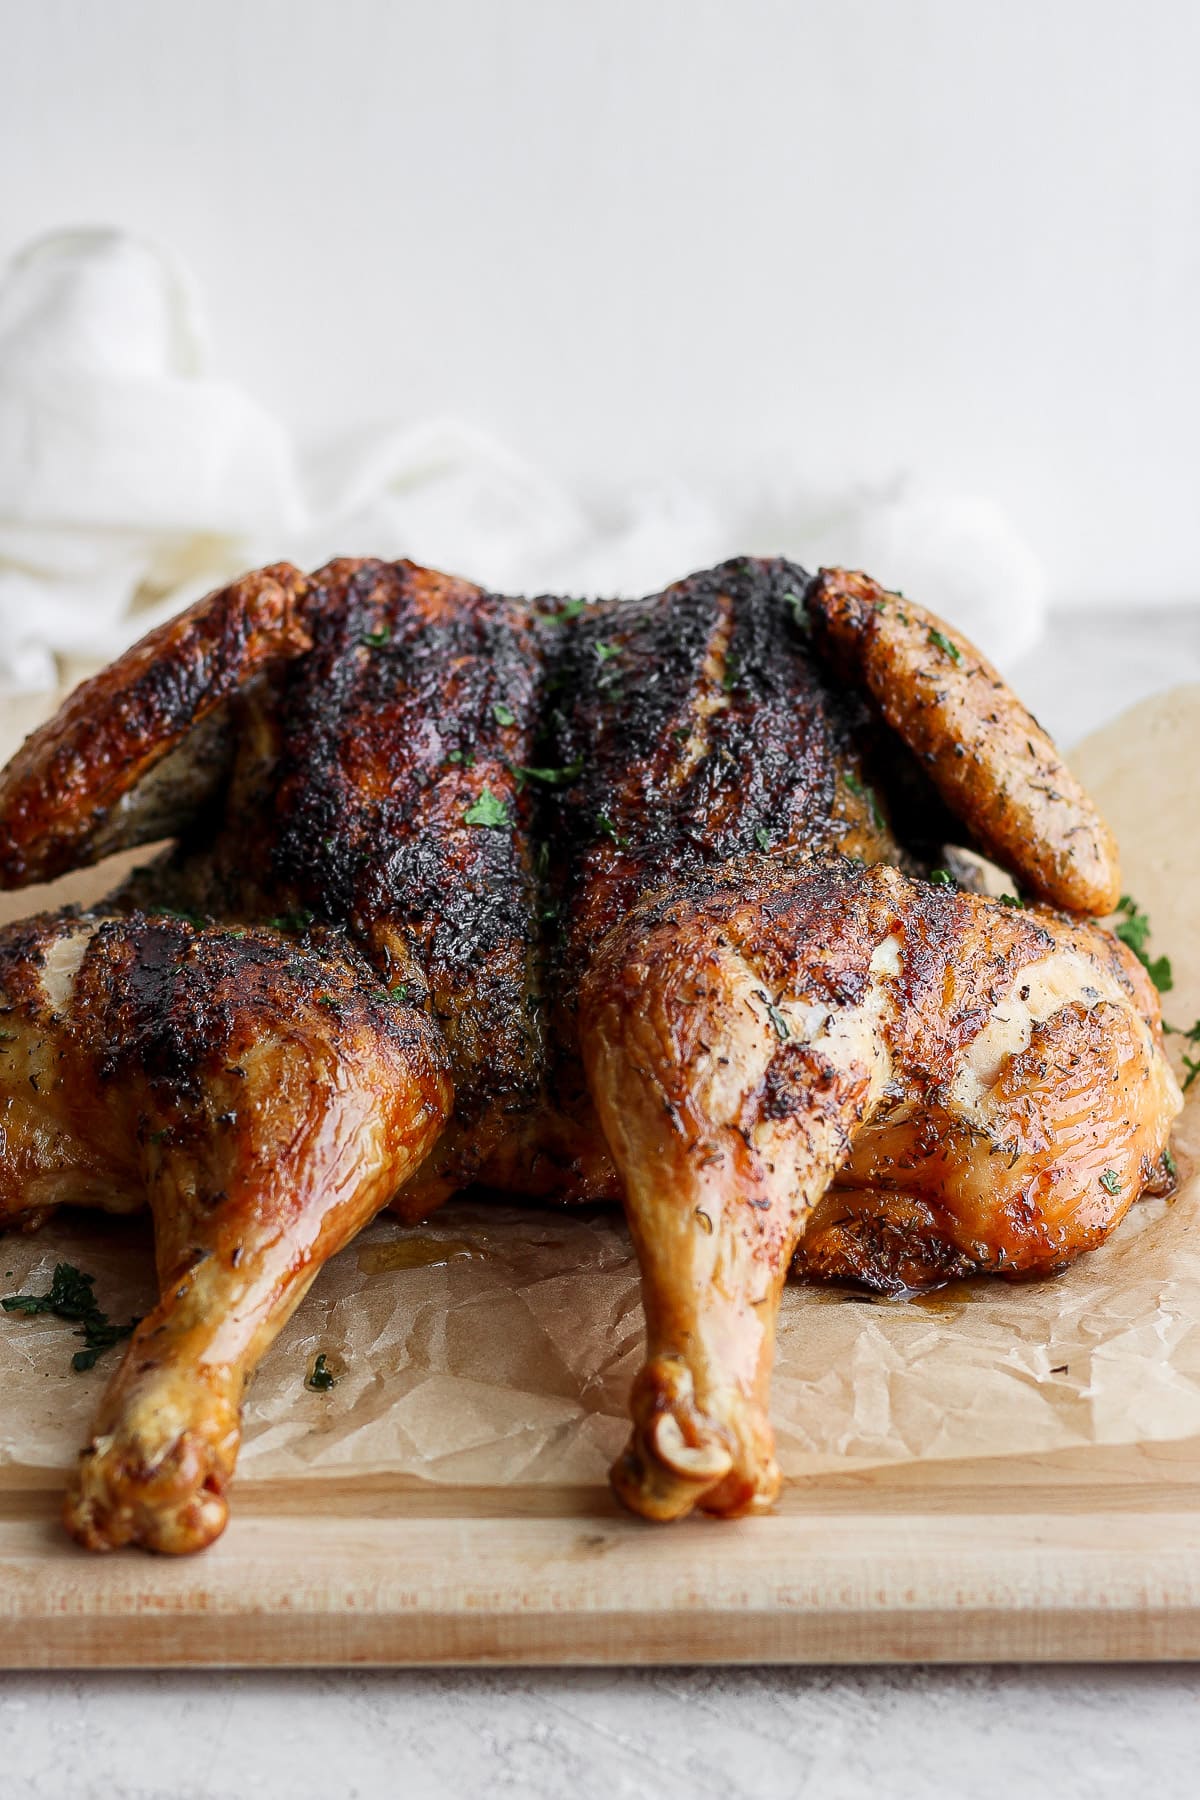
x=706 y=1461
x=175 y=1508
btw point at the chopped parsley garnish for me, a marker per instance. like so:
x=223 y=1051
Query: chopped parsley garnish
x=1111 y=1182
x=943 y=643
x=1133 y=929
x=503 y=715
x=799 y=610
x=488 y=811
x=552 y=777
x=862 y=792
x=1191 y=1064
x=1011 y=900
x=605 y=824
x=399 y=992
x=570 y=609
x=606 y=652
x=777 y=1019
x=300 y=920
x=188 y=918
x=320 y=1377
x=762 y=837
x=1169 y=1163
x=375 y=640
x=71 y=1295
x=942 y=878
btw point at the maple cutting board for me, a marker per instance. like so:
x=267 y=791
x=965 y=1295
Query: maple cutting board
x=1083 y=1555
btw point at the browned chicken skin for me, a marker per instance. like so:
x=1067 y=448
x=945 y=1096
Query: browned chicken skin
x=629 y=900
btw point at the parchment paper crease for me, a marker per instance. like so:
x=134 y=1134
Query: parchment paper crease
x=503 y=1352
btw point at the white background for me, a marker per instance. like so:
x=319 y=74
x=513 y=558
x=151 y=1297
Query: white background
x=734 y=241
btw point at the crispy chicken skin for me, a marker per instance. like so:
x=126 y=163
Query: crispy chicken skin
x=628 y=901
x=265 y=1101
x=98 y=776
x=988 y=757
x=985 y=1087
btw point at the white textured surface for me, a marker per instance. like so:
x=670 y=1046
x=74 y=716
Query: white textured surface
x=670 y=1734
x=891 y=1734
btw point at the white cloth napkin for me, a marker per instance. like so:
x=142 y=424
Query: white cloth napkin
x=133 y=478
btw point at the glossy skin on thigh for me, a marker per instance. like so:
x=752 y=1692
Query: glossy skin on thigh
x=265 y=1102
x=1000 y=1072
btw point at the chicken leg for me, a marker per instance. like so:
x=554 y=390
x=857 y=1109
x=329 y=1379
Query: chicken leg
x=266 y=1100
x=747 y=1038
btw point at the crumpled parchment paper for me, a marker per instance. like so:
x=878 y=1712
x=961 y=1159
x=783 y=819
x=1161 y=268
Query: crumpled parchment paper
x=496 y=1344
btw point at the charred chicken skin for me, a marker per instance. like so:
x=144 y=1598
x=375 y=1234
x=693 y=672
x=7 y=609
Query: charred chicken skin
x=637 y=900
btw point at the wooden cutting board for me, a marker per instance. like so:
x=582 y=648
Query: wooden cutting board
x=1085 y=1555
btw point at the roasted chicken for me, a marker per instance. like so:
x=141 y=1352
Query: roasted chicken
x=642 y=901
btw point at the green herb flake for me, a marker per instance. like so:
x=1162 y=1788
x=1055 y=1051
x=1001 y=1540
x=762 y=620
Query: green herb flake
x=503 y=715
x=489 y=812
x=605 y=824
x=1011 y=900
x=551 y=777
x=861 y=791
x=606 y=652
x=942 y=878
x=570 y=609
x=399 y=992
x=1133 y=929
x=1111 y=1182
x=1169 y=1164
x=1159 y=971
x=800 y=616
x=320 y=1377
x=943 y=643
x=71 y=1295
x=300 y=920
x=375 y=640
x=779 y=1023
x=762 y=837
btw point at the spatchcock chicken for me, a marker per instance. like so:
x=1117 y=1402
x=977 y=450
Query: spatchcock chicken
x=644 y=901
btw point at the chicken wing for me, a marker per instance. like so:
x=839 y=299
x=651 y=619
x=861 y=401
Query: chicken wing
x=988 y=757
x=134 y=753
